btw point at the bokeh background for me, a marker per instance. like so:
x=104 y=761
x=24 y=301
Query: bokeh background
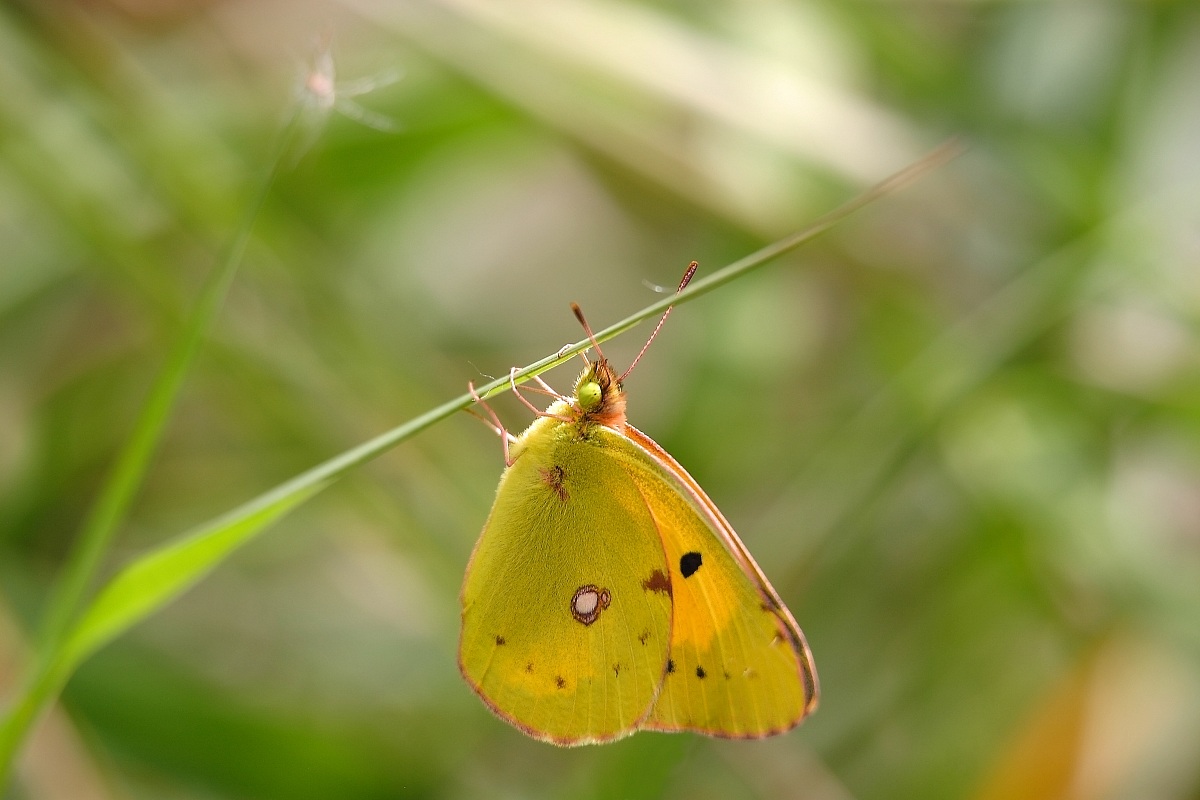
x=961 y=432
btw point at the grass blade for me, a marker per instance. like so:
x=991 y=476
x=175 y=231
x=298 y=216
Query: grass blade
x=160 y=576
x=157 y=578
x=146 y=585
x=127 y=474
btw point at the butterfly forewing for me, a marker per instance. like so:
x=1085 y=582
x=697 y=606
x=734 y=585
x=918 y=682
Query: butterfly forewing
x=738 y=664
x=566 y=613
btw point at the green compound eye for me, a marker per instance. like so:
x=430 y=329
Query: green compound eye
x=589 y=394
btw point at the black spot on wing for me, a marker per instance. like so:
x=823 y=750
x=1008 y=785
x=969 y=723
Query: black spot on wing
x=700 y=673
x=689 y=563
x=560 y=682
x=500 y=640
x=670 y=665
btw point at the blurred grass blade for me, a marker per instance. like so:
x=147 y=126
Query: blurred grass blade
x=139 y=590
x=123 y=482
x=127 y=474
x=160 y=576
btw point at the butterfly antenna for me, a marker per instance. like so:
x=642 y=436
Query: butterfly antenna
x=587 y=329
x=687 y=277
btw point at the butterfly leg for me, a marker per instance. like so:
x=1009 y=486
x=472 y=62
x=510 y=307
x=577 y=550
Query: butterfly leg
x=541 y=388
x=492 y=421
x=545 y=389
x=562 y=351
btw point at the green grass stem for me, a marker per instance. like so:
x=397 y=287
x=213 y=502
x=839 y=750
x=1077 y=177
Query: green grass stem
x=158 y=577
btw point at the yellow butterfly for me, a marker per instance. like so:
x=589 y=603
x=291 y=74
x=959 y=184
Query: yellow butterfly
x=607 y=594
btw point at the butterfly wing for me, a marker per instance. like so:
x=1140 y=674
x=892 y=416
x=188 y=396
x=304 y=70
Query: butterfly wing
x=566 y=616
x=738 y=664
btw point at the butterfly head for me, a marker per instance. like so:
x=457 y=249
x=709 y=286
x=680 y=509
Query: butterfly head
x=599 y=398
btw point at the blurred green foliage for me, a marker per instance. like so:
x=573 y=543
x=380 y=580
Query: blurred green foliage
x=961 y=433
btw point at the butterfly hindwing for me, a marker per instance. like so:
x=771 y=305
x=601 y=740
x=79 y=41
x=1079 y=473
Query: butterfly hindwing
x=566 y=610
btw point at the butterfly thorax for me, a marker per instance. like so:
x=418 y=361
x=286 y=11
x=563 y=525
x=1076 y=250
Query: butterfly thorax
x=598 y=401
x=599 y=398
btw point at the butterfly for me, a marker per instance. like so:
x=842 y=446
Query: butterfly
x=608 y=594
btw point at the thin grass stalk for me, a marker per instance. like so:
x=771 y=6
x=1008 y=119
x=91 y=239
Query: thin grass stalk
x=128 y=472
